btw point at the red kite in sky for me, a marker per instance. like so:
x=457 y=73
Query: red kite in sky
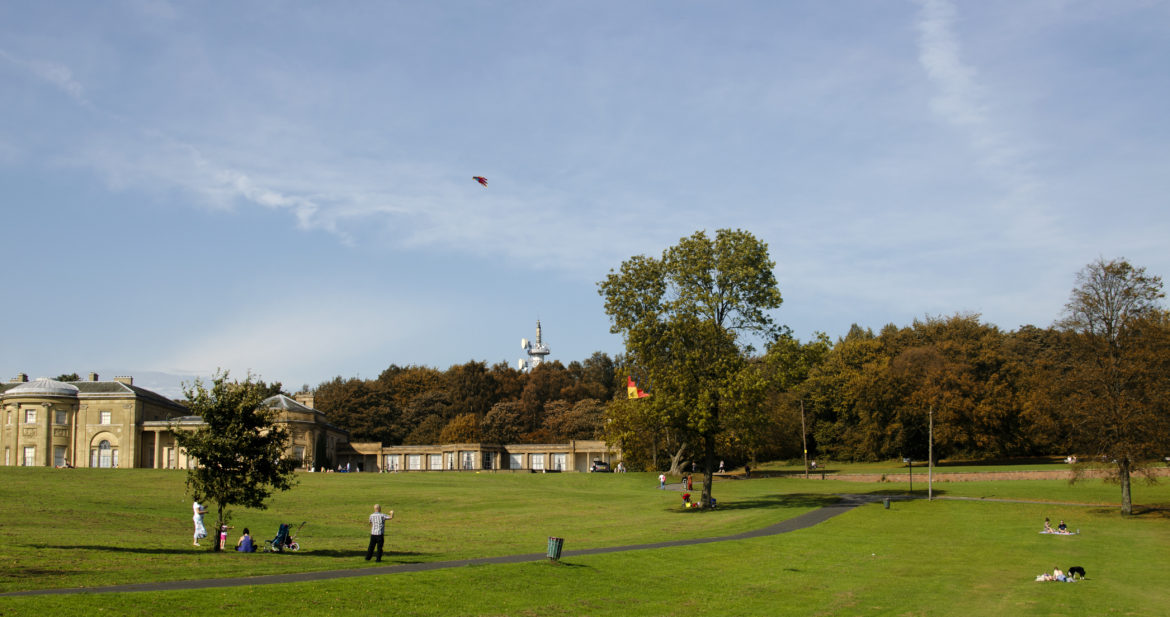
x=480 y=179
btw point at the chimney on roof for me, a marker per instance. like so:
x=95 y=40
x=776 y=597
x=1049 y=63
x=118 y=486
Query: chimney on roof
x=20 y=378
x=304 y=398
x=93 y=376
x=125 y=380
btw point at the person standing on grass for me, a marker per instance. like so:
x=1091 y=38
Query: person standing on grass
x=200 y=530
x=377 y=531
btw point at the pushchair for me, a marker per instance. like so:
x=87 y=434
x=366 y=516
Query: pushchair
x=285 y=538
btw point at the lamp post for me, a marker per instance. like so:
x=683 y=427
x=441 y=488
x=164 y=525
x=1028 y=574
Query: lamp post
x=909 y=462
x=930 y=459
x=804 y=438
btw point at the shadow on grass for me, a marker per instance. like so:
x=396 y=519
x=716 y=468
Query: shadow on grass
x=337 y=554
x=797 y=500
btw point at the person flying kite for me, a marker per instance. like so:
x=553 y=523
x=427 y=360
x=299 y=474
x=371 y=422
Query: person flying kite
x=480 y=179
x=632 y=390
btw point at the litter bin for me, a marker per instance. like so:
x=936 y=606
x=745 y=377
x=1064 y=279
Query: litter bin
x=886 y=502
x=554 y=547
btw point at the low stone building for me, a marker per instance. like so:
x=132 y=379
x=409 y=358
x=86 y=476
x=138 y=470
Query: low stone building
x=577 y=455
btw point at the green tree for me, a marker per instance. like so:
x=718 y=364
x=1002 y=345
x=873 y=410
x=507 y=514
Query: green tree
x=68 y=377
x=1116 y=369
x=689 y=319
x=239 y=452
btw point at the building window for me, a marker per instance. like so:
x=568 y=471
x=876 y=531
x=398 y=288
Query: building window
x=299 y=453
x=58 y=456
x=515 y=461
x=105 y=417
x=103 y=456
x=30 y=456
x=537 y=460
x=30 y=416
x=489 y=459
x=559 y=462
x=414 y=462
x=436 y=461
x=60 y=416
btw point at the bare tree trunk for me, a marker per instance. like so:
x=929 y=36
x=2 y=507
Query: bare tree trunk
x=676 y=460
x=220 y=523
x=709 y=470
x=1123 y=474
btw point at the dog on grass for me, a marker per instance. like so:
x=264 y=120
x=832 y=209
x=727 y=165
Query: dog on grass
x=1075 y=571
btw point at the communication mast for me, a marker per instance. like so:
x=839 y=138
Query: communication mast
x=536 y=351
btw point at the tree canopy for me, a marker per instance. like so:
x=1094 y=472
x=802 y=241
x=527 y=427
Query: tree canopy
x=239 y=451
x=689 y=320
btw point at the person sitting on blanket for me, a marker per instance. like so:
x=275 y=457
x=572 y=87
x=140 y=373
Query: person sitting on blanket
x=1047 y=526
x=1062 y=528
x=245 y=544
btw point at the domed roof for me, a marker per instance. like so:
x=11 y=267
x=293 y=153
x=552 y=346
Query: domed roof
x=43 y=387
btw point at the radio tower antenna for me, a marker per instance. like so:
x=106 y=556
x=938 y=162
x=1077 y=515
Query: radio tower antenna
x=537 y=350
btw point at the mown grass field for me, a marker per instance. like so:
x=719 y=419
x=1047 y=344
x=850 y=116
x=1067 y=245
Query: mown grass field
x=71 y=528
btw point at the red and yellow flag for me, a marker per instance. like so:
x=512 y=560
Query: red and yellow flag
x=632 y=390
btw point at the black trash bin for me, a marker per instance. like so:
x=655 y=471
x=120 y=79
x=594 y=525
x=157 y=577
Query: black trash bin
x=554 y=547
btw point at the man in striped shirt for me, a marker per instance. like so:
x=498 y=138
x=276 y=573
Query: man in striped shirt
x=377 y=531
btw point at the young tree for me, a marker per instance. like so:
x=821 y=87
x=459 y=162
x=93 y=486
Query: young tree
x=1116 y=369
x=239 y=452
x=688 y=318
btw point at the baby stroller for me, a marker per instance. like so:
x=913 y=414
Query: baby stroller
x=285 y=538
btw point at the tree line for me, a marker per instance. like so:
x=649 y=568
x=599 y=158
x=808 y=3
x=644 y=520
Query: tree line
x=1096 y=383
x=472 y=402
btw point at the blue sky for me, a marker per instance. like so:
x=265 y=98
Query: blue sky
x=285 y=187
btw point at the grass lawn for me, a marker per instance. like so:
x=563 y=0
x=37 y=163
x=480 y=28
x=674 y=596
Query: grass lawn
x=66 y=528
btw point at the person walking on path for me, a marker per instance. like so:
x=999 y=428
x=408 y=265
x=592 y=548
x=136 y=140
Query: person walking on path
x=377 y=531
x=662 y=481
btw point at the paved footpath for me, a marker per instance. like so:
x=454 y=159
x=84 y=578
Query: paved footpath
x=847 y=502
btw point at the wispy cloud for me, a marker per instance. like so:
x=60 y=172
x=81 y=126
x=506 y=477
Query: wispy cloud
x=961 y=100
x=53 y=73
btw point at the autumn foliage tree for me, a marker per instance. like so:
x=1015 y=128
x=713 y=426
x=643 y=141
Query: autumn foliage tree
x=1114 y=369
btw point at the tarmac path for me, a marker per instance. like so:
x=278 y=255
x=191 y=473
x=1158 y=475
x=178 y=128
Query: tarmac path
x=808 y=519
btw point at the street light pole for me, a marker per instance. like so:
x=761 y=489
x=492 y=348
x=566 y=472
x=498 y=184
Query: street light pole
x=804 y=438
x=930 y=457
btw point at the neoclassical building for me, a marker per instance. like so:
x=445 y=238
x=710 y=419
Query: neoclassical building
x=94 y=423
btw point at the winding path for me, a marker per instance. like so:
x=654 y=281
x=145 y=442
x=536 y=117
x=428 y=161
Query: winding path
x=808 y=519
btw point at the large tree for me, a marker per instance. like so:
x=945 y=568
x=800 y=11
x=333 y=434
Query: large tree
x=1115 y=368
x=689 y=319
x=239 y=452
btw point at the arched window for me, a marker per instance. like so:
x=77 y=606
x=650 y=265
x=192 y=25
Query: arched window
x=103 y=455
